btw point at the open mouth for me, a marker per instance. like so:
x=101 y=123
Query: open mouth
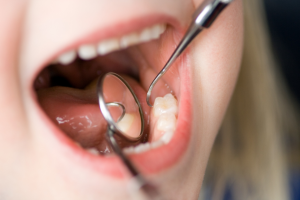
x=66 y=92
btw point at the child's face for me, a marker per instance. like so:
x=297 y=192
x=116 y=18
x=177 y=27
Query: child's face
x=38 y=161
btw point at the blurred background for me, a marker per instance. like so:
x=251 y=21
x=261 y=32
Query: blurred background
x=283 y=17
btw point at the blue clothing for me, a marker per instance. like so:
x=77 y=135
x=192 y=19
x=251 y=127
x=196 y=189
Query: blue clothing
x=295 y=185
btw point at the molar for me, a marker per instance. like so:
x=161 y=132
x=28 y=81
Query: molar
x=166 y=122
x=164 y=117
x=165 y=110
x=167 y=136
x=166 y=104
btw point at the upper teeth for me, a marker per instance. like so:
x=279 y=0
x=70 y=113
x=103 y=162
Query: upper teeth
x=90 y=51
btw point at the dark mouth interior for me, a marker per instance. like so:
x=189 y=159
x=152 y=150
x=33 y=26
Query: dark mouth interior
x=67 y=94
x=80 y=73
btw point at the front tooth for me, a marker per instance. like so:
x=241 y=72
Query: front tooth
x=146 y=35
x=129 y=40
x=126 y=122
x=108 y=46
x=166 y=104
x=67 y=58
x=87 y=52
x=166 y=122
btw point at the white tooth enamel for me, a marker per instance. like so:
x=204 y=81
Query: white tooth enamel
x=128 y=150
x=156 y=31
x=93 y=151
x=167 y=136
x=156 y=144
x=163 y=27
x=108 y=46
x=146 y=35
x=125 y=123
x=166 y=104
x=166 y=122
x=67 y=58
x=165 y=110
x=129 y=40
x=137 y=149
x=142 y=148
x=87 y=52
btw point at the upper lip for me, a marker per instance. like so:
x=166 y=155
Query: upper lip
x=147 y=162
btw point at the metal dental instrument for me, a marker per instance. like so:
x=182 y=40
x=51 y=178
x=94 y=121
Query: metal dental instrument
x=114 y=134
x=117 y=104
x=203 y=17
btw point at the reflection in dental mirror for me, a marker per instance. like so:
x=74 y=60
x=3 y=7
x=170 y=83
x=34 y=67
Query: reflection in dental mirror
x=120 y=107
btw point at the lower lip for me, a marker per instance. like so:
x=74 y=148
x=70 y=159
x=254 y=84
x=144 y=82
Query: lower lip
x=150 y=162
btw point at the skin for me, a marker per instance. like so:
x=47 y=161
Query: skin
x=33 y=166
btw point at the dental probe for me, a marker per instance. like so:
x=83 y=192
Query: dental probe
x=203 y=17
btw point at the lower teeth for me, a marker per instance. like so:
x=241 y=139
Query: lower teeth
x=163 y=119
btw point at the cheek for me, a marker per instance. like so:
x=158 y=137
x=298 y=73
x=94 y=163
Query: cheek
x=216 y=57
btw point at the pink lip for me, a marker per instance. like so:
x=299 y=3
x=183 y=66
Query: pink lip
x=149 y=162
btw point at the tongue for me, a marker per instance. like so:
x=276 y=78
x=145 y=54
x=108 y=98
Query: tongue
x=76 y=112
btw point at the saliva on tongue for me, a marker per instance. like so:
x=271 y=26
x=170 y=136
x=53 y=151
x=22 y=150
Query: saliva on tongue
x=76 y=112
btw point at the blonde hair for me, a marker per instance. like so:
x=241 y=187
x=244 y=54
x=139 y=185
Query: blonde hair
x=249 y=153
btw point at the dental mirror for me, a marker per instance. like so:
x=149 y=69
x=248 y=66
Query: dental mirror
x=120 y=107
x=123 y=113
